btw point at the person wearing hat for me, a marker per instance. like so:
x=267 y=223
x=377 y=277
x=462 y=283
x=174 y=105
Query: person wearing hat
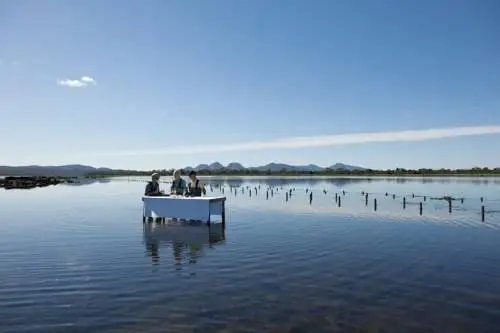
x=153 y=187
x=178 y=186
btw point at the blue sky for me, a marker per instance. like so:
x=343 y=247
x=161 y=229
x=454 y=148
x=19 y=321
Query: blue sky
x=159 y=76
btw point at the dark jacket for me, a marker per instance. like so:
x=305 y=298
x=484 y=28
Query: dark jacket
x=152 y=189
x=194 y=190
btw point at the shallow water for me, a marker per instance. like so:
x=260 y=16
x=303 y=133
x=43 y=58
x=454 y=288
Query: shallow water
x=79 y=259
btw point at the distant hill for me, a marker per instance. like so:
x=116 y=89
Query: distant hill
x=273 y=167
x=235 y=166
x=81 y=170
x=41 y=170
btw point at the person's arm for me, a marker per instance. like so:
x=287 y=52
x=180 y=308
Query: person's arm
x=202 y=187
x=148 y=191
x=183 y=187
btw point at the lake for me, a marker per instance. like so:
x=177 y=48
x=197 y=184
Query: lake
x=77 y=258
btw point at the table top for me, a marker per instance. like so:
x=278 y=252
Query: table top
x=180 y=197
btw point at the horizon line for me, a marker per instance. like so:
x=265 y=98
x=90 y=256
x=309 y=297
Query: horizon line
x=316 y=141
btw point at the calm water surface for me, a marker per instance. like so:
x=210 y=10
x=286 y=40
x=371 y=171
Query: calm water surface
x=79 y=259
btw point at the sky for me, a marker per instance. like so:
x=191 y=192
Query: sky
x=167 y=84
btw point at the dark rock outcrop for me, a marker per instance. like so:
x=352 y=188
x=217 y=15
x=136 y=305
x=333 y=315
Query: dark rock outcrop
x=31 y=182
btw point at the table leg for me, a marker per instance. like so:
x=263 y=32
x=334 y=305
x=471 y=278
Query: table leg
x=223 y=214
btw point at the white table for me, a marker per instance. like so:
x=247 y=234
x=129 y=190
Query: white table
x=188 y=208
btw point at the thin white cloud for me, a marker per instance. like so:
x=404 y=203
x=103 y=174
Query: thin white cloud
x=321 y=141
x=82 y=82
x=7 y=63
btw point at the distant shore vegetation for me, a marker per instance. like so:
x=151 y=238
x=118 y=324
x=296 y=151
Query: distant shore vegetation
x=474 y=172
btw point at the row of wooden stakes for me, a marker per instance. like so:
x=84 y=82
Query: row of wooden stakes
x=338 y=198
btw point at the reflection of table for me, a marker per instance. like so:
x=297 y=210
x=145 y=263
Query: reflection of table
x=184 y=240
x=188 y=208
x=184 y=234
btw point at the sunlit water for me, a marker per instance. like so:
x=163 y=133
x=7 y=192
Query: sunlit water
x=79 y=259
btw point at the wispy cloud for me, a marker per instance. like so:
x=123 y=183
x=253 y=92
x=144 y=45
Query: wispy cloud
x=82 y=82
x=13 y=63
x=320 y=141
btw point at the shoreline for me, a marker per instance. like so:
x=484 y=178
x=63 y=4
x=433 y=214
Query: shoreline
x=315 y=175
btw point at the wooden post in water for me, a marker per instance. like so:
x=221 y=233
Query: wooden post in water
x=290 y=193
x=393 y=197
x=421 y=207
x=310 y=198
x=336 y=197
x=375 y=204
x=413 y=195
x=267 y=195
x=425 y=198
x=404 y=202
x=386 y=194
x=343 y=192
x=462 y=201
x=250 y=194
x=482 y=199
x=366 y=199
x=286 y=196
x=482 y=213
x=449 y=206
x=272 y=193
x=340 y=201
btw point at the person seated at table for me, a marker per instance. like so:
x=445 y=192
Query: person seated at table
x=195 y=187
x=153 y=187
x=178 y=186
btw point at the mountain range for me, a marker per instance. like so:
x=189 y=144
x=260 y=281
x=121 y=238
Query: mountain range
x=52 y=170
x=273 y=167
x=80 y=170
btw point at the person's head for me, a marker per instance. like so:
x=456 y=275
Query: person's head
x=177 y=174
x=192 y=175
x=155 y=177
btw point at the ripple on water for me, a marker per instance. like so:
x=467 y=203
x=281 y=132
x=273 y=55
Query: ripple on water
x=89 y=265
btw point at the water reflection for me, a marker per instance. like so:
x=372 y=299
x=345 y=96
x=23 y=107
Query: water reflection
x=343 y=181
x=186 y=241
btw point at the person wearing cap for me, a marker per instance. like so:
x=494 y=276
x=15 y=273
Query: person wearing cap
x=178 y=186
x=195 y=187
x=153 y=187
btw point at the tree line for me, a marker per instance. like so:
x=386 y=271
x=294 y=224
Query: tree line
x=326 y=172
